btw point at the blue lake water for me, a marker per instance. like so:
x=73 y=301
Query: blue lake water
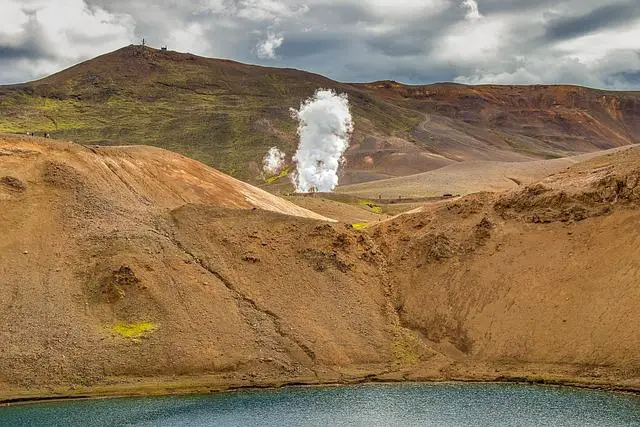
x=363 y=405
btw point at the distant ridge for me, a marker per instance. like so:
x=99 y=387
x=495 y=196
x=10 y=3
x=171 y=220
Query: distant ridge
x=227 y=114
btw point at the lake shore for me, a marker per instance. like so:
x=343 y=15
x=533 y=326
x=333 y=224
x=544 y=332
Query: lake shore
x=563 y=376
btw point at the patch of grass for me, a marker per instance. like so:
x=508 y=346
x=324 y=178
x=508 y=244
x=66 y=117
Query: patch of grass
x=133 y=330
x=272 y=179
x=370 y=206
x=359 y=225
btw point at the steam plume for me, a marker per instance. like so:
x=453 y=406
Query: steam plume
x=273 y=161
x=324 y=127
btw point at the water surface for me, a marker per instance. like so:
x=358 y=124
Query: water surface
x=364 y=405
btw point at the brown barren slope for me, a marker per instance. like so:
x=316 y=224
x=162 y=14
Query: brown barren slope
x=142 y=174
x=537 y=284
x=546 y=274
x=466 y=178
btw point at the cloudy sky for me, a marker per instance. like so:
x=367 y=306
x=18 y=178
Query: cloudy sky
x=589 y=42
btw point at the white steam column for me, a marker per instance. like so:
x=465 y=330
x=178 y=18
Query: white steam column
x=325 y=127
x=273 y=162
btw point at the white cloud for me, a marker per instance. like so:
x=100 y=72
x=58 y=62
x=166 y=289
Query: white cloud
x=40 y=35
x=266 y=49
x=473 y=12
x=72 y=28
x=13 y=18
x=268 y=10
x=191 y=38
x=592 y=48
x=556 y=69
x=406 y=9
x=472 y=42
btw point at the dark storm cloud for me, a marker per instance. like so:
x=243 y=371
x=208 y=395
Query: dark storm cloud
x=399 y=46
x=27 y=51
x=417 y=37
x=513 y=6
x=563 y=28
x=341 y=14
x=412 y=41
x=29 y=44
x=298 y=47
x=409 y=75
x=631 y=77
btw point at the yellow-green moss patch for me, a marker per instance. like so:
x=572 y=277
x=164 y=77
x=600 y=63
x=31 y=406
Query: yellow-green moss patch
x=370 y=206
x=271 y=179
x=359 y=225
x=133 y=330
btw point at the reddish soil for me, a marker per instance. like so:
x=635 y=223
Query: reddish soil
x=493 y=123
x=573 y=118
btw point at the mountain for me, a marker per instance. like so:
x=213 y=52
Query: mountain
x=133 y=270
x=228 y=114
x=220 y=112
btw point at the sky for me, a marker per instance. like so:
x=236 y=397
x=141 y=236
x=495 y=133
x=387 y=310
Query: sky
x=594 y=43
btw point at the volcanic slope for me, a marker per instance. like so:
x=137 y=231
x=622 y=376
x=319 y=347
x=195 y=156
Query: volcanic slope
x=467 y=177
x=228 y=114
x=134 y=270
x=545 y=274
x=478 y=122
